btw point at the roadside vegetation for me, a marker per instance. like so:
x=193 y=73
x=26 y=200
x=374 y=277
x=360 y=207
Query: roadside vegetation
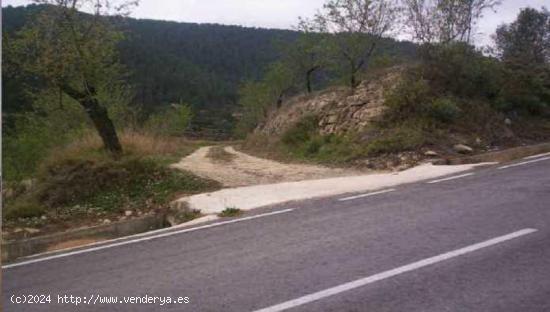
x=82 y=154
x=452 y=94
x=87 y=142
x=230 y=213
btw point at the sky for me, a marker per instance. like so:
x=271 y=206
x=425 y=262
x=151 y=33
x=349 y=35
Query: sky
x=281 y=13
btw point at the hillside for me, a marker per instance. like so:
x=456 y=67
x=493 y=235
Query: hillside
x=200 y=64
x=392 y=120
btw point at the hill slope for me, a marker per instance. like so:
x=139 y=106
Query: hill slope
x=200 y=64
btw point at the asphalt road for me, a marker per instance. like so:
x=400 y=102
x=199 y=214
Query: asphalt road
x=423 y=247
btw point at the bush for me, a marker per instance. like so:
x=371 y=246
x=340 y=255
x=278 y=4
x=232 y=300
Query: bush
x=408 y=99
x=444 y=110
x=173 y=121
x=302 y=131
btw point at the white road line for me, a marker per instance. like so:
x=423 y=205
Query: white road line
x=451 y=178
x=366 y=195
x=143 y=239
x=524 y=163
x=537 y=156
x=391 y=273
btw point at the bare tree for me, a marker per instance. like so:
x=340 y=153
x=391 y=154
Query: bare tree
x=445 y=21
x=357 y=26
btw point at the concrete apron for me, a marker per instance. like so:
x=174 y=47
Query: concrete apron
x=15 y=249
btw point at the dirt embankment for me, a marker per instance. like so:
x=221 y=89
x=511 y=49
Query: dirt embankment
x=233 y=168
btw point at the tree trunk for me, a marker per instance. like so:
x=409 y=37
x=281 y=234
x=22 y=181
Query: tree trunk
x=103 y=124
x=308 y=82
x=308 y=78
x=100 y=118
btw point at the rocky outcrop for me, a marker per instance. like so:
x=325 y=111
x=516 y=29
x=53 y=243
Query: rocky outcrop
x=339 y=110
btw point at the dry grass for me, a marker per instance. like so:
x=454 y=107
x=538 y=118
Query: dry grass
x=133 y=143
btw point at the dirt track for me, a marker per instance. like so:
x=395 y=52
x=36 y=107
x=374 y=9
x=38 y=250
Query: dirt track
x=242 y=169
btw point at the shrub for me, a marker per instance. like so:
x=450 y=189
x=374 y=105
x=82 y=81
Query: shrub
x=230 y=212
x=444 y=110
x=173 y=121
x=408 y=99
x=302 y=131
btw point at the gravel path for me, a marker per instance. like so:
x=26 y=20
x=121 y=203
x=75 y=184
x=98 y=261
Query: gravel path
x=242 y=169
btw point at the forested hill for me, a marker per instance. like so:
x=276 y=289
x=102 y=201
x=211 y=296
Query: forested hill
x=200 y=64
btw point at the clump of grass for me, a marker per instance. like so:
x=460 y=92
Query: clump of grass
x=219 y=154
x=230 y=212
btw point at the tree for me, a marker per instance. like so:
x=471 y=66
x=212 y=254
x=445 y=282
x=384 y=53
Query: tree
x=527 y=39
x=445 y=21
x=524 y=47
x=76 y=54
x=357 y=26
x=307 y=54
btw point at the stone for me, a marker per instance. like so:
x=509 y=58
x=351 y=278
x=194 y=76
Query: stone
x=32 y=230
x=508 y=121
x=431 y=153
x=106 y=221
x=463 y=149
x=128 y=213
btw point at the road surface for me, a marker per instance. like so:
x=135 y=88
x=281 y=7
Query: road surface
x=475 y=242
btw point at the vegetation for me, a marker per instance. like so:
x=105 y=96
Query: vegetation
x=454 y=93
x=74 y=55
x=192 y=64
x=81 y=180
x=230 y=213
x=91 y=121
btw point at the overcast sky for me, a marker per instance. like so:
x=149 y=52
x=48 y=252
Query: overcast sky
x=279 y=13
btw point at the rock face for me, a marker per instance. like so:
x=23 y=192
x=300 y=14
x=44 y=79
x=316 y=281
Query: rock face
x=339 y=110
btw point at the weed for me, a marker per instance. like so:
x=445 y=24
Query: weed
x=230 y=212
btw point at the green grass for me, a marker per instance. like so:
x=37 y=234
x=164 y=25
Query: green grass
x=230 y=213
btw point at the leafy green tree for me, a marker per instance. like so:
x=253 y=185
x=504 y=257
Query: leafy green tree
x=524 y=47
x=257 y=98
x=76 y=54
x=174 y=120
x=527 y=39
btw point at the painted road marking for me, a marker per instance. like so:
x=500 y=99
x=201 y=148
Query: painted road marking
x=391 y=273
x=451 y=178
x=110 y=244
x=366 y=195
x=524 y=163
x=537 y=156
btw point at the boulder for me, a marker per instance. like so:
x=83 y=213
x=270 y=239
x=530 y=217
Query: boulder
x=463 y=149
x=431 y=153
